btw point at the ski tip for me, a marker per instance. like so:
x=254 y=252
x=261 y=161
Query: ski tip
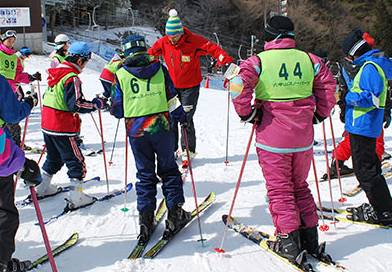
x=124 y=209
x=219 y=250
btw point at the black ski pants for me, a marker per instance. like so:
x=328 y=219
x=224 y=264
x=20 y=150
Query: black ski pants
x=188 y=98
x=9 y=219
x=367 y=168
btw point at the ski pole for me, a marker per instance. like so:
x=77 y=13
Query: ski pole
x=39 y=95
x=227 y=126
x=95 y=123
x=185 y=133
x=22 y=147
x=114 y=143
x=43 y=230
x=22 y=142
x=328 y=173
x=237 y=186
x=323 y=227
x=125 y=209
x=103 y=149
x=341 y=199
x=42 y=154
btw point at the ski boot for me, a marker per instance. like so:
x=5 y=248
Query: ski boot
x=177 y=218
x=146 y=222
x=14 y=265
x=344 y=170
x=309 y=242
x=45 y=188
x=289 y=246
x=366 y=213
x=76 y=198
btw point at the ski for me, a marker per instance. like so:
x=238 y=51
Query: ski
x=160 y=245
x=260 y=238
x=98 y=199
x=61 y=189
x=138 y=250
x=56 y=251
x=340 y=216
x=353 y=192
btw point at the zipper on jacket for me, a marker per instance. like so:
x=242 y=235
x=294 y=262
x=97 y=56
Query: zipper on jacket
x=172 y=60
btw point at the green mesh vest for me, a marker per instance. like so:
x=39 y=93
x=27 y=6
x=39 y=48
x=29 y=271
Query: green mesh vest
x=113 y=66
x=358 y=112
x=60 y=58
x=142 y=97
x=8 y=64
x=54 y=96
x=286 y=75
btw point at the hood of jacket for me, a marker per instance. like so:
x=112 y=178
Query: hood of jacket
x=56 y=74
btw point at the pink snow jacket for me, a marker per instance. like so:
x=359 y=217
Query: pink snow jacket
x=286 y=127
x=20 y=77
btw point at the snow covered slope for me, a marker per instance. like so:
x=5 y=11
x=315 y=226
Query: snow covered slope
x=107 y=234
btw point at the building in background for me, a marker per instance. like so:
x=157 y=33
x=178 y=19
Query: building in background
x=24 y=16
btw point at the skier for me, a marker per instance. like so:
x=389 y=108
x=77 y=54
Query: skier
x=181 y=49
x=365 y=102
x=60 y=50
x=146 y=98
x=12 y=160
x=12 y=69
x=108 y=74
x=291 y=88
x=62 y=103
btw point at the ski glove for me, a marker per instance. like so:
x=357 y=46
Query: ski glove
x=31 y=99
x=36 y=76
x=255 y=116
x=317 y=119
x=100 y=102
x=31 y=173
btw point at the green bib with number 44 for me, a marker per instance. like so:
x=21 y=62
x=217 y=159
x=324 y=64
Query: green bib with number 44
x=286 y=75
x=8 y=65
x=142 y=96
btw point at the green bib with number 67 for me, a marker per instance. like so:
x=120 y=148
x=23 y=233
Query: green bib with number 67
x=8 y=65
x=142 y=96
x=286 y=75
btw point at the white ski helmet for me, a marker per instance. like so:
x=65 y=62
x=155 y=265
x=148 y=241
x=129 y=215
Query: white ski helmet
x=60 y=41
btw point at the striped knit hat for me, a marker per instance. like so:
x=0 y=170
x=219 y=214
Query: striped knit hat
x=174 y=25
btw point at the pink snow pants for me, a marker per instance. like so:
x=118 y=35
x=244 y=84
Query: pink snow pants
x=290 y=200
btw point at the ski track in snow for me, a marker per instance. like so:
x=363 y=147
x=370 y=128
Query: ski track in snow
x=107 y=234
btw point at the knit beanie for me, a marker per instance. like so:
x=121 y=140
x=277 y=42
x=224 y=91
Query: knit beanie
x=173 y=24
x=278 y=27
x=357 y=43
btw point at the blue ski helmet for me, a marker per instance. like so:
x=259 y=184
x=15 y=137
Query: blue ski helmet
x=25 y=51
x=133 y=44
x=80 y=49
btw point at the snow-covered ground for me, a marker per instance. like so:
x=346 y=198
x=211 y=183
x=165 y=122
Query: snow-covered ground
x=107 y=234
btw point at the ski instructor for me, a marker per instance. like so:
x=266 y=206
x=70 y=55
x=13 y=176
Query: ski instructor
x=293 y=90
x=181 y=49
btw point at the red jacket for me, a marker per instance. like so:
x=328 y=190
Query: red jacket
x=183 y=59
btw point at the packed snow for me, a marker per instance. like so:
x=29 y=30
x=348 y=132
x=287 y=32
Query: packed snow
x=107 y=234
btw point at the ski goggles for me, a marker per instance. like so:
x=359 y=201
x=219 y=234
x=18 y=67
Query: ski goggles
x=86 y=56
x=132 y=44
x=8 y=34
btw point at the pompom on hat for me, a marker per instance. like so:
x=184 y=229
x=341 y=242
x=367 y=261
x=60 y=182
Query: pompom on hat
x=173 y=24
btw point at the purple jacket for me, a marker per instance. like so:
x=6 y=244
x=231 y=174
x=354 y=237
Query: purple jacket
x=11 y=111
x=286 y=127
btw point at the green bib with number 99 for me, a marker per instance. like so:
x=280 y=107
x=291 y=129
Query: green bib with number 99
x=142 y=96
x=286 y=75
x=8 y=65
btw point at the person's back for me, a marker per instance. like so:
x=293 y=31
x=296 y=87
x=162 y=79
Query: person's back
x=292 y=89
x=146 y=98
